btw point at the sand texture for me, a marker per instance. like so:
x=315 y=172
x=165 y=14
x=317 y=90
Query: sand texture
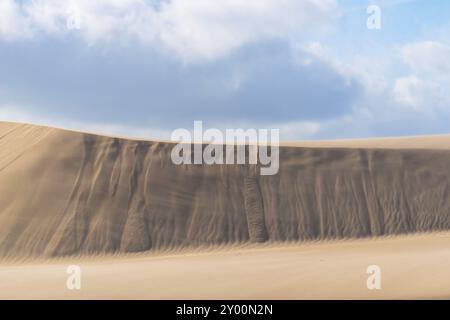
x=65 y=193
x=412 y=267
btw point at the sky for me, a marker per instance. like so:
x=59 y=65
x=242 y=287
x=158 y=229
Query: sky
x=311 y=68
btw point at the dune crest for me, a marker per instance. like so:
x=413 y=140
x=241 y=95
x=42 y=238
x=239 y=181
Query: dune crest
x=64 y=193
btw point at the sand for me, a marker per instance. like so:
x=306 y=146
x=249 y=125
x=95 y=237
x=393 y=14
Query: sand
x=72 y=193
x=412 y=267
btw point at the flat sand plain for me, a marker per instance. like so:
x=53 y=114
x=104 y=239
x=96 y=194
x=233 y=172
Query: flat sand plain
x=412 y=267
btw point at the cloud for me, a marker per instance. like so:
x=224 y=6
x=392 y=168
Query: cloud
x=297 y=130
x=13 y=24
x=425 y=89
x=369 y=71
x=288 y=130
x=95 y=73
x=260 y=83
x=428 y=58
x=214 y=28
x=191 y=29
x=409 y=91
x=162 y=64
x=403 y=95
x=18 y=114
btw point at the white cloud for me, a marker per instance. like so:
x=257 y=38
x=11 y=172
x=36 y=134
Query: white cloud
x=427 y=58
x=426 y=88
x=288 y=131
x=369 y=71
x=192 y=29
x=409 y=91
x=13 y=24
x=298 y=130
x=213 y=28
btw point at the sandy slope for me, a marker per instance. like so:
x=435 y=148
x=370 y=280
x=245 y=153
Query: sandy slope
x=71 y=193
x=64 y=192
x=415 y=266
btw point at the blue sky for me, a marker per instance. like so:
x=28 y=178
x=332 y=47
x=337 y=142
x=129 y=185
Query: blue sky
x=311 y=68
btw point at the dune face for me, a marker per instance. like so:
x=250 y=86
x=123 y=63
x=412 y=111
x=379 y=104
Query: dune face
x=64 y=193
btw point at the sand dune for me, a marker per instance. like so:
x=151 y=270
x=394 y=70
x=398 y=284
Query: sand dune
x=77 y=198
x=415 y=142
x=64 y=192
x=412 y=267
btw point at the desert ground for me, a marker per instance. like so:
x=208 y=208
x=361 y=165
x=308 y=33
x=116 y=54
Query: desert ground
x=412 y=267
x=141 y=227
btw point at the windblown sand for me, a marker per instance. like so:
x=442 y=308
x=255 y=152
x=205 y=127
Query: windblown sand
x=70 y=193
x=412 y=267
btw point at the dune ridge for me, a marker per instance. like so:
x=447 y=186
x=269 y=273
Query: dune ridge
x=65 y=192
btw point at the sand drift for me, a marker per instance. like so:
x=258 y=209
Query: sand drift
x=65 y=193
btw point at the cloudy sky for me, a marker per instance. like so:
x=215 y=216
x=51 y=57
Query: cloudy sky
x=309 y=67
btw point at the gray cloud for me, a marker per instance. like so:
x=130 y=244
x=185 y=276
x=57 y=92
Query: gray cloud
x=259 y=84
